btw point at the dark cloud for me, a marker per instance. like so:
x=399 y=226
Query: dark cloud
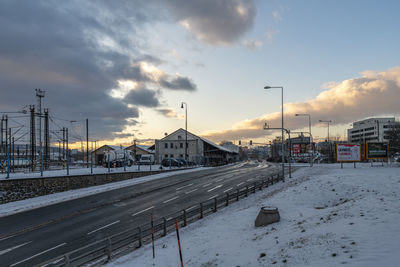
x=214 y=22
x=78 y=50
x=142 y=97
x=178 y=83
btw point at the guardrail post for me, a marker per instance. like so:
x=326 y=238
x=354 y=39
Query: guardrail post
x=215 y=204
x=247 y=190
x=66 y=260
x=201 y=210
x=184 y=218
x=164 y=227
x=140 y=237
x=254 y=189
x=227 y=199
x=261 y=184
x=109 y=249
x=237 y=194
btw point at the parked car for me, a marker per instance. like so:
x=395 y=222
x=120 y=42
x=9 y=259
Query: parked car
x=169 y=162
x=146 y=159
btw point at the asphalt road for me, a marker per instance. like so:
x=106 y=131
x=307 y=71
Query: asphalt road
x=35 y=236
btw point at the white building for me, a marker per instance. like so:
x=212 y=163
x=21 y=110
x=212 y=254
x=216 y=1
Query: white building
x=199 y=150
x=370 y=130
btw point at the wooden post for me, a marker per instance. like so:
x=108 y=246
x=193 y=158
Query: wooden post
x=164 y=227
x=140 y=237
x=215 y=204
x=201 y=210
x=184 y=218
x=227 y=199
x=237 y=194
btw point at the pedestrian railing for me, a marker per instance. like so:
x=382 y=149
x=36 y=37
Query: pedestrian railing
x=105 y=249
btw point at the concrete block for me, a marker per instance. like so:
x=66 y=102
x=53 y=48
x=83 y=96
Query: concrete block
x=267 y=215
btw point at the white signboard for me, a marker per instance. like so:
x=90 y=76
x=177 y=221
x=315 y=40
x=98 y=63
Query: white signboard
x=348 y=153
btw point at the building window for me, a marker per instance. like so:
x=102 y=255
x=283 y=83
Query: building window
x=181 y=145
x=179 y=137
x=172 y=145
x=166 y=156
x=171 y=156
x=166 y=145
x=187 y=145
x=181 y=156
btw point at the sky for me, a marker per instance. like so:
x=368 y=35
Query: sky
x=127 y=65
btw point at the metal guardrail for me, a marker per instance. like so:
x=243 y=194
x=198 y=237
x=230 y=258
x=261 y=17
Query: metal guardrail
x=105 y=249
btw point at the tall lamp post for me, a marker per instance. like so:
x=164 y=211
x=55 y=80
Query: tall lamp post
x=309 y=129
x=327 y=121
x=329 y=144
x=283 y=136
x=186 y=145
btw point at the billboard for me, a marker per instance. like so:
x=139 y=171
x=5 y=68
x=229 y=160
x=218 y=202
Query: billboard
x=348 y=153
x=377 y=150
x=296 y=148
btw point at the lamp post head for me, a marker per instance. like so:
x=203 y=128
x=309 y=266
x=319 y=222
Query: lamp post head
x=267 y=87
x=296 y=114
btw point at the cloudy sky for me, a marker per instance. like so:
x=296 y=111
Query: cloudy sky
x=127 y=65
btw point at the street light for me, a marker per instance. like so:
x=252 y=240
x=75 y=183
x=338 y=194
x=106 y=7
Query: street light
x=185 y=129
x=283 y=137
x=327 y=121
x=309 y=129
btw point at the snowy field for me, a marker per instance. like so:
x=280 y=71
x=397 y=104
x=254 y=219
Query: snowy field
x=329 y=217
x=81 y=171
x=37 y=202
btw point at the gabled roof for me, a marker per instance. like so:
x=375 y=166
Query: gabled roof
x=204 y=140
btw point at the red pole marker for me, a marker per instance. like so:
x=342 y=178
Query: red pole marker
x=179 y=243
x=152 y=233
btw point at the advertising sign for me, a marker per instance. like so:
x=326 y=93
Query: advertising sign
x=348 y=153
x=296 y=148
x=377 y=150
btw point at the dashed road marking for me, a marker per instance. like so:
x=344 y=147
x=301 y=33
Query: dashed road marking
x=101 y=228
x=166 y=201
x=228 y=189
x=212 y=197
x=179 y=188
x=11 y=249
x=142 y=211
x=31 y=257
x=212 y=189
x=188 y=192
x=207 y=185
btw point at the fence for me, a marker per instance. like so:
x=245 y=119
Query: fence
x=103 y=250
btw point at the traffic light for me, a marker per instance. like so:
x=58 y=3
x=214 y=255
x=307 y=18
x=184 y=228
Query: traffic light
x=251 y=142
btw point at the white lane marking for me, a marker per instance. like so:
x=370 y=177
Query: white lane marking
x=54 y=262
x=31 y=257
x=192 y=207
x=212 y=197
x=206 y=185
x=240 y=184
x=212 y=189
x=250 y=179
x=219 y=180
x=101 y=228
x=228 y=189
x=188 y=192
x=4 y=238
x=142 y=211
x=11 y=249
x=166 y=201
x=179 y=188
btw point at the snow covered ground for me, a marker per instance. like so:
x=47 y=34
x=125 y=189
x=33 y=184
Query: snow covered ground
x=81 y=171
x=37 y=202
x=329 y=217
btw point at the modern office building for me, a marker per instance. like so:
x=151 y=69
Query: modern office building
x=370 y=130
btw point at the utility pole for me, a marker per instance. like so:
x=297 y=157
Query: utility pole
x=87 y=143
x=63 y=150
x=46 y=138
x=40 y=95
x=33 y=138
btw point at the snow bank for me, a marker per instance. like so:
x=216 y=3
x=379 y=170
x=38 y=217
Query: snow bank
x=329 y=217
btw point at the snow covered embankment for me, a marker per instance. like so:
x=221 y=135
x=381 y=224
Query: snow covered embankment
x=329 y=217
